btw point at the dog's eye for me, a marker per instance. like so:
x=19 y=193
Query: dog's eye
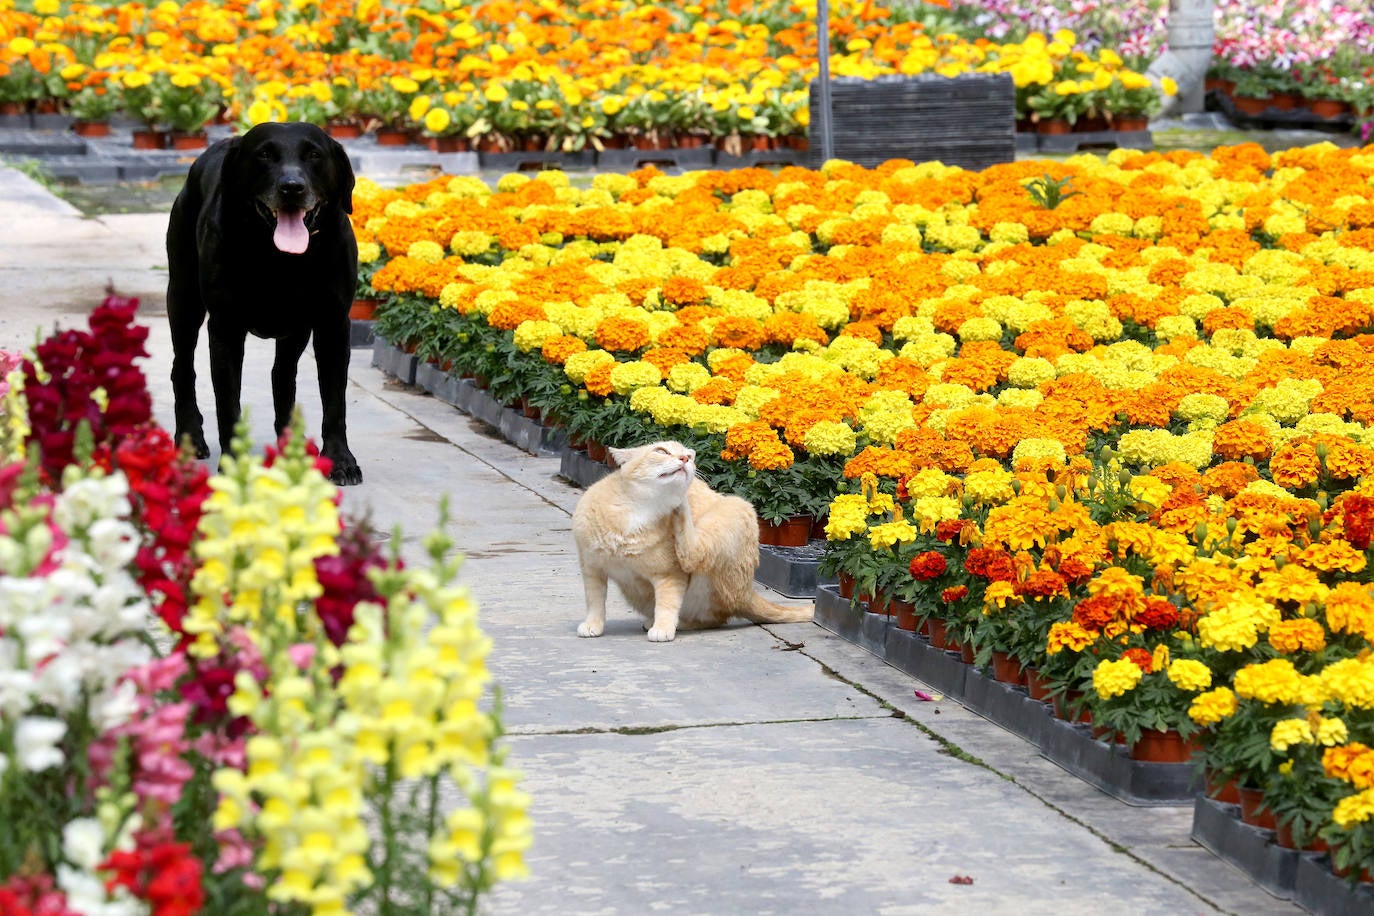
x=311 y=155
x=267 y=154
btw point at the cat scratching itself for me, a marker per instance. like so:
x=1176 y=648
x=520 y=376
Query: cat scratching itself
x=682 y=554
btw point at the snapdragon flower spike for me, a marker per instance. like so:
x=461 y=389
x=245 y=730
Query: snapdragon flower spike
x=87 y=377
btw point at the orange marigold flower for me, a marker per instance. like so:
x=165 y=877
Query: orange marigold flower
x=884 y=462
x=1295 y=465
x=1301 y=635
x=771 y=455
x=1229 y=478
x=623 y=335
x=689 y=339
x=742 y=333
x=557 y=349
x=717 y=391
x=742 y=438
x=680 y=291
x=1240 y=439
x=664 y=358
x=787 y=328
x=507 y=316
x=733 y=367
x=598 y=379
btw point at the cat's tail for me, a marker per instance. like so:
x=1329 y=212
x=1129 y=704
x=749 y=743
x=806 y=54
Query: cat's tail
x=761 y=610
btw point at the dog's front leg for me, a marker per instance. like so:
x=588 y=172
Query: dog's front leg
x=226 y=375
x=331 y=347
x=185 y=315
x=284 y=366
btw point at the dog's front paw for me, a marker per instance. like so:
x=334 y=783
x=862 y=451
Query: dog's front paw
x=589 y=629
x=662 y=634
x=345 y=472
x=195 y=439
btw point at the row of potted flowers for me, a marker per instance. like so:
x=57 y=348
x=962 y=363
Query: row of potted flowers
x=513 y=74
x=1117 y=409
x=219 y=695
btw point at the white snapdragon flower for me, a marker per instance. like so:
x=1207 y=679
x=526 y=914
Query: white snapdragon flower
x=35 y=743
x=83 y=843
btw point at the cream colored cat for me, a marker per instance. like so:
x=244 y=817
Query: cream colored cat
x=682 y=554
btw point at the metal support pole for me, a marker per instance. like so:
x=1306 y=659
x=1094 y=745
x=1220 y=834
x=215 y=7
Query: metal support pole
x=826 y=128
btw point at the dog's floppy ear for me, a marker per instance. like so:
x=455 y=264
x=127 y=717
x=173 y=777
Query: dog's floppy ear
x=343 y=170
x=230 y=161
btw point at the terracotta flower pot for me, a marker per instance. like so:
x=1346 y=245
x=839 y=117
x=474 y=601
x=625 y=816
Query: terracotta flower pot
x=1283 y=835
x=1124 y=123
x=595 y=450
x=905 y=612
x=1328 y=108
x=363 y=309
x=1221 y=791
x=790 y=532
x=879 y=604
x=939 y=633
x=1053 y=126
x=1108 y=735
x=149 y=139
x=1252 y=810
x=967 y=654
x=1006 y=669
x=1090 y=124
x=189 y=141
x=448 y=144
x=344 y=131
x=1162 y=747
x=846 y=585
x=91 y=128
x=1036 y=686
x=1285 y=101
x=1249 y=104
x=390 y=136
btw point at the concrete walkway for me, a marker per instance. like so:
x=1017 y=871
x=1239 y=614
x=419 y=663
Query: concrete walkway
x=748 y=770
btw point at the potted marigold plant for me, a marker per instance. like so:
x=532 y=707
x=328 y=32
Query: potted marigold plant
x=1144 y=696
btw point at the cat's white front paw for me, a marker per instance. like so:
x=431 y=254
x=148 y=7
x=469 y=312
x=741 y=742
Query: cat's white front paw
x=662 y=634
x=587 y=628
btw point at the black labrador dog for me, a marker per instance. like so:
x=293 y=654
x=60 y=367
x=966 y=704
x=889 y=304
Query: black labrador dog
x=259 y=240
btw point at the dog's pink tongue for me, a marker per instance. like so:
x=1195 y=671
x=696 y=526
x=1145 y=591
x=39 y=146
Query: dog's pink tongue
x=291 y=236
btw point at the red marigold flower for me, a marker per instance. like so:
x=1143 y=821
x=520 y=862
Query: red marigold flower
x=1043 y=583
x=928 y=565
x=1159 y=614
x=954 y=593
x=1095 y=612
x=1142 y=658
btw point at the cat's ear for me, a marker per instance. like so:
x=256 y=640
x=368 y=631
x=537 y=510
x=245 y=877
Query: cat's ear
x=620 y=455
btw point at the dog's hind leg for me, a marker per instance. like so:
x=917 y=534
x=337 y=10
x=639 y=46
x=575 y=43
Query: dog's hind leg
x=226 y=375
x=289 y=350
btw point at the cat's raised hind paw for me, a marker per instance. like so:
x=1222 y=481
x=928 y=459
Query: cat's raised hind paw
x=662 y=634
x=586 y=628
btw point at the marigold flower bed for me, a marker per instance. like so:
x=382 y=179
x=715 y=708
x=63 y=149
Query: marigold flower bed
x=1108 y=416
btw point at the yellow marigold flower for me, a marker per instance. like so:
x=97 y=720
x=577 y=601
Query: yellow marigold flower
x=1288 y=732
x=1114 y=678
x=1274 y=681
x=531 y=335
x=998 y=596
x=885 y=535
x=1350 y=681
x=626 y=377
x=848 y=516
x=1190 y=674
x=830 y=437
x=1301 y=635
x=1211 y=707
x=1231 y=628
x=470 y=242
x=1068 y=635
x=1354 y=809
x=1331 y=732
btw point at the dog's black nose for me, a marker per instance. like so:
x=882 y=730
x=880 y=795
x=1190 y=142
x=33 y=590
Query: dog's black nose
x=291 y=187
